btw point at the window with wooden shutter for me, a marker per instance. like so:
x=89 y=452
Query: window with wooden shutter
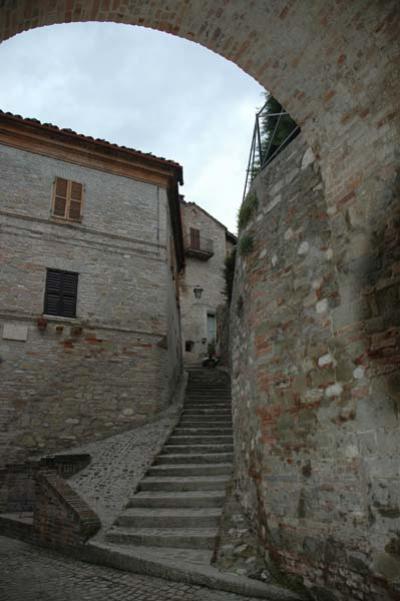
x=67 y=199
x=61 y=293
x=194 y=238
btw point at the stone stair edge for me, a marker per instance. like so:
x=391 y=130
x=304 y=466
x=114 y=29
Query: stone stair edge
x=135 y=559
x=173 y=511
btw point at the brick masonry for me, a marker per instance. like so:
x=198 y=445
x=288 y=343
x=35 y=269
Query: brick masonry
x=118 y=362
x=17 y=481
x=61 y=518
x=334 y=66
x=316 y=422
x=38 y=505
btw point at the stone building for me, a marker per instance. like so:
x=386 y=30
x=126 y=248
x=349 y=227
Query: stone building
x=91 y=245
x=207 y=243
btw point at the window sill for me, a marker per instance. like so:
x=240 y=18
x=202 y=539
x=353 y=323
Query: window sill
x=65 y=220
x=60 y=319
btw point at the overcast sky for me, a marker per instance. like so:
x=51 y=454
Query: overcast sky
x=143 y=89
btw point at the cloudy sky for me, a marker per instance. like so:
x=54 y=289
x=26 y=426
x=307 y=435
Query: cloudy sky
x=143 y=89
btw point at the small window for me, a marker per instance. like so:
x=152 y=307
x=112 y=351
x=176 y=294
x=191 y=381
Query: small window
x=67 y=199
x=189 y=344
x=61 y=293
x=195 y=238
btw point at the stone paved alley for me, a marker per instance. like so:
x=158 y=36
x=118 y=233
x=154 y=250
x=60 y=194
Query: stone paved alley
x=29 y=573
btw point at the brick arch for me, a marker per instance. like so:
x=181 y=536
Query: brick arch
x=334 y=56
x=334 y=65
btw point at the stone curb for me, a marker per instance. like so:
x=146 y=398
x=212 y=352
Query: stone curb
x=113 y=556
x=135 y=561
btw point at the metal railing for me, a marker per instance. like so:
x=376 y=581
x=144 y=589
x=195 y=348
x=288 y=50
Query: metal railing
x=264 y=150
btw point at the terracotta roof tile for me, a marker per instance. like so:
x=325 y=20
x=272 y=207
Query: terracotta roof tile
x=90 y=139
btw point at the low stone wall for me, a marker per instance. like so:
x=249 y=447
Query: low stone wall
x=315 y=384
x=61 y=517
x=17 y=482
x=44 y=509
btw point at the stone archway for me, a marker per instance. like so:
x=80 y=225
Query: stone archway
x=334 y=66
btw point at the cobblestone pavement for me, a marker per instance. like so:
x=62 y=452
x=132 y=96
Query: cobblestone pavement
x=29 y=573
x=118 y=463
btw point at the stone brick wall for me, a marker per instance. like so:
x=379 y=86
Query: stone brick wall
x=54 y=515
x=61 y=517
x=317 y=438
x=206 y=274
x=109 y=368
x=17 y=481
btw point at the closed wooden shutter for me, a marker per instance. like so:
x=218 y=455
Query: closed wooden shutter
x=75 y=203
x=61 y=293
x=53 y=292
x=195 y=238
x=68 y=199
x=60 y=199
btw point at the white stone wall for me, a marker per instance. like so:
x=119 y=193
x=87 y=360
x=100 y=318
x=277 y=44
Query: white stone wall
x=109 y=368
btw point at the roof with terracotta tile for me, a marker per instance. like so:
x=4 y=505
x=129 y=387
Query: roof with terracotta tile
x=100 y=143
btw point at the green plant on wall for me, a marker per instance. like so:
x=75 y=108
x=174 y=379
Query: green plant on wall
x=229 y=274
x=246 y=245
x=275 y=131
x=247 y=209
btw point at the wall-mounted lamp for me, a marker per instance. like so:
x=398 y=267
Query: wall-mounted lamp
x=198 y=291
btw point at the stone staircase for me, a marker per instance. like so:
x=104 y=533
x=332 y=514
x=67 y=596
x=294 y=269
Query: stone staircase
x=179 y=502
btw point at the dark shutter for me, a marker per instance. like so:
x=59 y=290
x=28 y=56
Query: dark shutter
x=61 y=293
x=194 y=238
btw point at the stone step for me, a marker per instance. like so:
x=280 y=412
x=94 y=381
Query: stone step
x=137 y=517
x=205 y=423
x=197 y=404
x=205 y=386
x=207 y=418
x=193 y=407
x=189 y=566
x=191 y=469
x=207 y=391
x=182 y=484
x=203 y=383
x=198 y=448
x=206 y=410
x=208 y=397
x=217 y=403
x=200 y=430
x=172 y=459
x=204 y=439
x=199 y=499
x=164 y=537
